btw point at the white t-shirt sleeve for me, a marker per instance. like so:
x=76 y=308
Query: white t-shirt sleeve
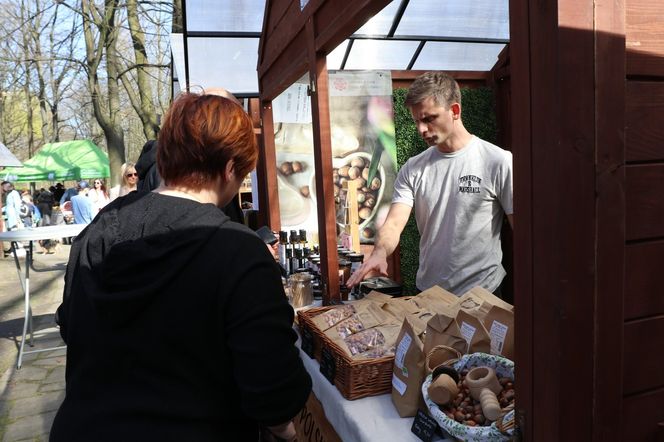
x=404 y=191
x=504 y=183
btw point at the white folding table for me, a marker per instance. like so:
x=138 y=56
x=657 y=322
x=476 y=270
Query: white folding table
x=30 y=235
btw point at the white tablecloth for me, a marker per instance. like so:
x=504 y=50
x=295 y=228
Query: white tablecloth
x=370 y=419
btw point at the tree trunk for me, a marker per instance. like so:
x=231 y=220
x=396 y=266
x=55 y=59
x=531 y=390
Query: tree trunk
x=143 y=103
x=106 y=113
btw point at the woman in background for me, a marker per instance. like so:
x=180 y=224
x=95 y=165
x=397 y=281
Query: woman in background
x=175 y=317
x=98 y=195
x=129 y=181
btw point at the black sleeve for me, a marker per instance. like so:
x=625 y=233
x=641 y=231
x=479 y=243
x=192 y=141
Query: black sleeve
x=273 y=383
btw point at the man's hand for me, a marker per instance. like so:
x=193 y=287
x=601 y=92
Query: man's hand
x=376 y=264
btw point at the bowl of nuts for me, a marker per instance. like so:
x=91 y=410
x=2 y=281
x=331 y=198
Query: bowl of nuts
x=355 y=167
x=463 y=417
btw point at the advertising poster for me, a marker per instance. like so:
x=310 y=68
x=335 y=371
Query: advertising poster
x=363 y=149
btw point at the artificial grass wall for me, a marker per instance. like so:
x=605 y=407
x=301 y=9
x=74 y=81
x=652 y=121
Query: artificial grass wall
x=479 y=118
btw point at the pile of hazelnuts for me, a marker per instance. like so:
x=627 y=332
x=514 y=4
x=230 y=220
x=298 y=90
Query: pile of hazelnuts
x=367 y=193
x=468 y=411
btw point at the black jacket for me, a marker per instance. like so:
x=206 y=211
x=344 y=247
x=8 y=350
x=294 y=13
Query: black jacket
x=146 y=167
x=177 y=328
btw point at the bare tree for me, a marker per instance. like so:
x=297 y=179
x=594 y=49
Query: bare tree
x=100 y=33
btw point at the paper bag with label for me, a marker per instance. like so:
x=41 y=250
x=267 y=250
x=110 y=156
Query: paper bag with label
x=442 y=329
x=478 y=301
x=408 y=372
x=500 y=325
x=473 y=332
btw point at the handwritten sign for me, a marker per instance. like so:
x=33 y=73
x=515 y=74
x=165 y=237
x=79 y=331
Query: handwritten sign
x=424 y=427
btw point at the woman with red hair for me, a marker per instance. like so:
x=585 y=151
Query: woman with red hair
x=175 y=317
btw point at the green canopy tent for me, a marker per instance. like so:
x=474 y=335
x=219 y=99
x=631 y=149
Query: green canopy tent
x=68 y=160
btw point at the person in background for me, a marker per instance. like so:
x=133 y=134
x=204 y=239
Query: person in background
x=30 y=215
x=12 y=207
x=171 y=311
x=45 y=202
x=98 y=195
x=81 y=205
x=67 y=194
x=460 y=188
x=146 y=166
x=58 y=191
x=129 y=181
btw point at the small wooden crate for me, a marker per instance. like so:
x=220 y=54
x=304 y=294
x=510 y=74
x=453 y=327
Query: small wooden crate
x=353 y=378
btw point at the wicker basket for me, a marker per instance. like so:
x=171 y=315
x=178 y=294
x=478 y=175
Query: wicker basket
x=353 y=378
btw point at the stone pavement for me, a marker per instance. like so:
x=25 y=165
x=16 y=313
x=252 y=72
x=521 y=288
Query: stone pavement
x=30 y=397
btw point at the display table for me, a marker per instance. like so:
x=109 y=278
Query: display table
x=30 y=235
x=368 y=419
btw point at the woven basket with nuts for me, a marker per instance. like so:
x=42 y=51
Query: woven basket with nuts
x=463 y=417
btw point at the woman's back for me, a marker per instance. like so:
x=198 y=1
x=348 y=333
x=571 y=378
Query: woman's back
x=176 y=312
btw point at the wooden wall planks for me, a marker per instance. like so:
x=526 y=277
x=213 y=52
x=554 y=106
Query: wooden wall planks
x=643 y=360
x=645 y=39
x=643 y=285
x=644 y=412
x=644 y=202
x=644 y=135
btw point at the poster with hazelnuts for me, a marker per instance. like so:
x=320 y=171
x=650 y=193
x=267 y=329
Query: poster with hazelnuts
x=363 y=151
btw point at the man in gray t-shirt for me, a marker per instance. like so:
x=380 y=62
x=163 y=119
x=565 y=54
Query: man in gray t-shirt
x=459 y=187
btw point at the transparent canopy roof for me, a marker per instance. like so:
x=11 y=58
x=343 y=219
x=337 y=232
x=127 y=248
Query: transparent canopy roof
x=221 y=38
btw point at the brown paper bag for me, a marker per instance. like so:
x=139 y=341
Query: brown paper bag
x=435 y=299
x=442 y=329
x=473 y=332
x=400 y=308
x=478 y=301
x=499 y=323
x=367 y=315
x=333 y=316
x=373 y=342
x=408 y=373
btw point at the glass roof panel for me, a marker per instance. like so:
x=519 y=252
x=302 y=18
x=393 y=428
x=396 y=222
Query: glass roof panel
x=224 y=62
x=458 y=56
x=380 y=54
x=177 y=52
x=456 y=18
x=380 y=23
x=225 y=15
x=335 y=57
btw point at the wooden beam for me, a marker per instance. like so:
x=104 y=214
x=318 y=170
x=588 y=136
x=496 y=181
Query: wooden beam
x=610 y=205
x=327 y=223
x=268 y=190
x=523 y=220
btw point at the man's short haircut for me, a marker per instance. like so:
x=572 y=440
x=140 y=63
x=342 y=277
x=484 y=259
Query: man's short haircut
x=200 y=135
x=437 y=85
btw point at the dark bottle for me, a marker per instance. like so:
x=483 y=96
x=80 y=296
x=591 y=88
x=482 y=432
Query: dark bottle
x=283 y=245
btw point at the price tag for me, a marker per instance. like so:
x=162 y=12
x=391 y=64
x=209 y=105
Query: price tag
x=307 y=343
x=328 y=365
x=424 y=426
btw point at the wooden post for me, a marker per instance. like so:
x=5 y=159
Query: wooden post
x=268 y=192
x=327 y=224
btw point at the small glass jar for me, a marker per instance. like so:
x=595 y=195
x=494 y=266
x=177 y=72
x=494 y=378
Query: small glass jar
x=301 y=288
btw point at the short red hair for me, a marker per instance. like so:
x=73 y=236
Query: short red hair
x=200 y=135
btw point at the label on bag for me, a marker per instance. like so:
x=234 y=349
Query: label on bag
x=498 y=333
x=402 y=349
x=399 y=385
x=424 y=426
x=467 y=331
x=328 y=365
x=307 y=343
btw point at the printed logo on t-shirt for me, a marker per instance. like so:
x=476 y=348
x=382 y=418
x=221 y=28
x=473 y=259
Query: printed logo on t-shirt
x=470 y=184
